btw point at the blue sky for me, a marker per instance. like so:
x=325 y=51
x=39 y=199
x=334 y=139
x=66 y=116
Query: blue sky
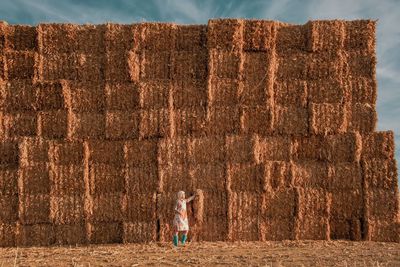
x=198 y=12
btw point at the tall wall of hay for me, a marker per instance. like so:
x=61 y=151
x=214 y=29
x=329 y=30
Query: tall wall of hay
x=273 y=124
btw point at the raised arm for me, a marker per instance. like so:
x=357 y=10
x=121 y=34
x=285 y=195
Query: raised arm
x=190 y=198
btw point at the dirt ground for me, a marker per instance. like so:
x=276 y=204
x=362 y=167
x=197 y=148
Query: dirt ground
x=287 y=253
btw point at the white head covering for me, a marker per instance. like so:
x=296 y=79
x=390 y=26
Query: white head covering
x=180 y=193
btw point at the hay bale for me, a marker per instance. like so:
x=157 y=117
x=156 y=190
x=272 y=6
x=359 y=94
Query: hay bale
x=173 y=150
x=9 y=153
x=363 y=90
x=35 y=178
x=67 y=209
x=9 y=208
x=33 y=150
x=210 y=207
x=326 y=118
x=85 y=97
x=198 y=206
x=17 y=95
x=277 y=229
x=245 y=229
x=165 y=204
x=257 y=120
x=223 y=92
x=188 y=65
x=70 y=234
x=207 y=149
x=86 y=125
x=90 y=39
x=325 y=65
x=7 y=234
x=311 y=174
x=140 y=208
x=189 y=122
x=141 y=152
x=291 y=39
x=156 y=36
x=258 y=35
x=90 y=67
x=360 y=34
x=243 y=205
x=292 y=67
x=118 y=37
x=240 y=148
x=189 y=94
x=122 y=96
x=8 y=181
x=68 y=178
x=246 y=177
x=154 y=94
x=291 y=93
x=278 y=175
x=53 y=124
x=257 y=70
x=326 y=35
x=57 y=38
x=378 y=145
x=383 y=231
x=224 y=34
x=378 y=173
x=363 y=118
x=66 y=152
x=106 y=208
x=139 y=232
x=142 y=178
x=343 y=147
x=349 y=229
x=19 y=124
x=58 y=66
x=209 y=176
x=121 y=125
x=312 y=228
x=21 y=38
x=108 y=152
x=154 y=65
x=216 y=229
x=313 y=203
x=101 y=233
x=174 y=177
x=190 y=37
x=382 y=203
x=361 y=64
x=273 y=148
x=345 y=176
x=224 y=64
x=289 y=120
x=20 y=65
x=329 y=90
x=40 y=234
x=120 y=66
x=105 y=178
x=347 y=204
x=155 y=123
x=34 y=209
x=280 y=204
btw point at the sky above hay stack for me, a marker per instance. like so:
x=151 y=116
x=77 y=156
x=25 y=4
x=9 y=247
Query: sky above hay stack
x=198 y=12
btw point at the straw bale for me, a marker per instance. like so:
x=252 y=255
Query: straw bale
x=3 y=72
x=58 y=66
x=292 y=66
x=155 y=65
x=173 y=150
x=347 y=204
x=382 y=203
x=33 y=149
x=207 y=150
x=141 y=179
x=349 y=229
x=65 y=179
x=360 y=34
x=345 y=176
x=189 y=121
x=329 y=90
x=105 y=178
x=17 y=95
x=190 y=37
x=174 y=177
x=378 y=173
x=9 y=208
x=289 y=120
x=118 y=37
x=7 y=235
x=9 y=153
x=291 y=93
x=21 y=38
x=86 y=97
x=277 y=229
x=257 y=120
x=34 y=209
x=49 y=96
x=258 y=35
x=224 y=34
x=215 y=204
x=278 y=175
x=155 y=123
x=120 y=66
x=223 y=92
x=70 y=234
x=122 y=125
x=363 y=118
x=90 y=39
x=246 y=177
x=326 y=118
x=363 y=90
x=109 y=152
x=165 y=206
x=280 y=204
x=325 y=65
x=67 y=209
x=378 y=145
x=90 y=67
x=311 y=174
x=189 y=93
x=198 y=206
x=86 y=125
x=245 y=229
x=189 y=65
x=273 y=147
x=141 y=152
x=56 y=38
x=343 y=147
x=41 y=234
x=240 y=148
x=312 y=228
x=106 y=208
x=383 y=230
x=66 y=152
x=223 y=120
x=326 y=35
x=140 y=208
x=244 y=205
x=156 y=36
x=215 y=229
x=291 y=39
x=154 y=94
x=139 y=232
x=361 y=64
x=20 y=65
x=101 y=233
x=313 y=204
x=257 y=68
x=8 y=181
x=122 y=96
x=35 y=178
x=18 y=124
x=224 y=64
x=209 y=176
